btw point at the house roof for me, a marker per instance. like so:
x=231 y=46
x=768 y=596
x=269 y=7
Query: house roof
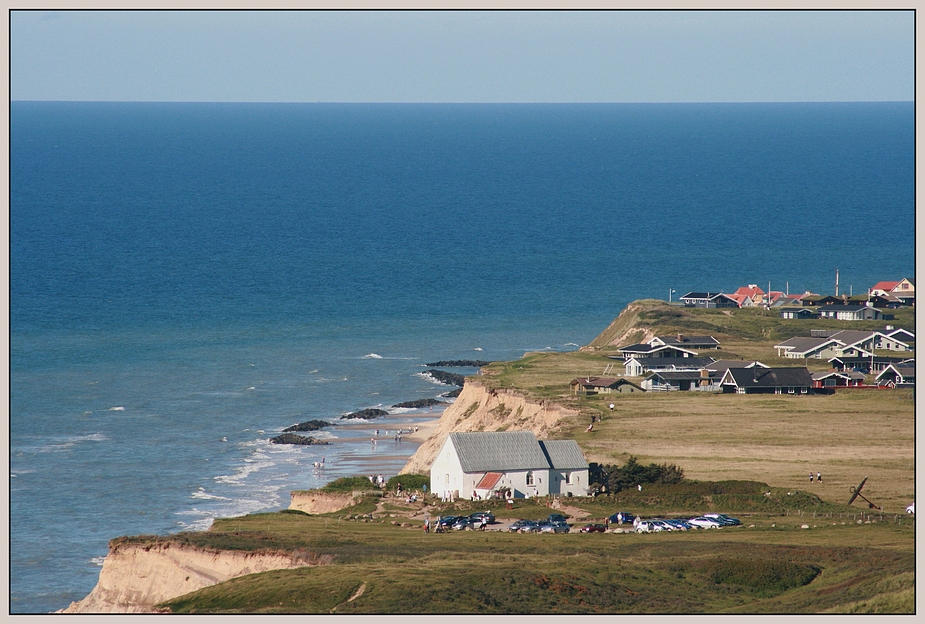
x=489 y=481
x=844 y=308
x=483 y=451
x=800 y=344
x=769 y=377
x=724 y=365
x=683 y=340
x=749 y=291
x=885 y=286
x=669 y=363
x=596 y=382
x=903 y=370
x=700 y=295
x=648 y=349
x=564 y=454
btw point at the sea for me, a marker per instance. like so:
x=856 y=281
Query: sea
x=188 y=279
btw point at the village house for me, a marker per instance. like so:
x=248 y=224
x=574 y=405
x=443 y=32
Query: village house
x=603 y=385
x=862 y=364
x=757 y=380
x=843 y=343
x=897 y=375
x=638 y=366
x=844 y=312
x=687 y=342
x=904 y=290
x=645 y=350
x=838 y=379
x=482 y=464
x=798 y=313
x=704 y=380
x=708 y=300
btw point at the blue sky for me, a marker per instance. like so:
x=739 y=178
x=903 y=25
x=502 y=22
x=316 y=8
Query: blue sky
x=430 y=56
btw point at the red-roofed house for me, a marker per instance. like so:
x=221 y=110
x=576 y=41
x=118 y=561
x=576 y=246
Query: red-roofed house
x=752 y=292
x=883 y=288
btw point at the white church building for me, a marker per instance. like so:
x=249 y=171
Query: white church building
x=478 y=464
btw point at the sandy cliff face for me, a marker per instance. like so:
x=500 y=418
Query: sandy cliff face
x=478 y=408
x=136 y=577
x=314 y=502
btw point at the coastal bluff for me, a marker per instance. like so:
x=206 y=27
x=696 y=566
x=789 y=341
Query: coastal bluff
x=478 y=408
x=135 y=577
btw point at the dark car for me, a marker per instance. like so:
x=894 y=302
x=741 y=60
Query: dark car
x=625 y=516
x=447 y=521
x=466 y=523
x=593 y=528
x=485 y=516
x=556 y=518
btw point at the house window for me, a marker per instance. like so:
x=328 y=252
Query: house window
x=530 y=478
x=568 y=477
x=447 y=480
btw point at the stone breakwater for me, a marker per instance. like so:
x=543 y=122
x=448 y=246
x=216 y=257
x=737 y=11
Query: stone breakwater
x=135 y=577
x=485 y=409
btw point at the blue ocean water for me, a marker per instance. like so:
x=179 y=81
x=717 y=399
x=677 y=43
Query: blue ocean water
x=188 y=279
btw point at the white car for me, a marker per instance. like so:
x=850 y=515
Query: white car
x=646 y=526
x=911 y=509
x=705 y=523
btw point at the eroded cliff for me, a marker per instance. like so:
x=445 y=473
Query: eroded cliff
x=135 y=577
x=483 y=409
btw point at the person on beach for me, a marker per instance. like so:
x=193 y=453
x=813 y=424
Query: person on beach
x=819 y=477
x=810 y=477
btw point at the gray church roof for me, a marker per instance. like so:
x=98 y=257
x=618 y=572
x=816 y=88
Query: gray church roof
x=481 y=451
x=564 y=454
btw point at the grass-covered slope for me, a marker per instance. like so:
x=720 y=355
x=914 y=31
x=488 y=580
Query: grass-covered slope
x=773 y=566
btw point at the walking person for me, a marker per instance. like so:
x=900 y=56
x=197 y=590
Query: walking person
x=819 y=477
x=810 y=477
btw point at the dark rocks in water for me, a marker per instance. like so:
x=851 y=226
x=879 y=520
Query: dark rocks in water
x=458 y=363
x=291 y=438
x=444 y=377
x=420 y=403
x=308 y=425
x=452 y=394
x=367 y=414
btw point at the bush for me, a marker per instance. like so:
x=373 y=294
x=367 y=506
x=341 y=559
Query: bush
x=632 y=473
x=409 y=482
x=348 y=484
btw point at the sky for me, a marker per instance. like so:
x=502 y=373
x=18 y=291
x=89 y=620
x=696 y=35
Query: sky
x=469 y=56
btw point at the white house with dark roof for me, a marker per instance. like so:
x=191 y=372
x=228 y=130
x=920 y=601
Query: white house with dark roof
x=687 y=342
x=480 y=463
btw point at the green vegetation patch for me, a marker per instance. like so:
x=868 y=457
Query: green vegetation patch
x=761 y=576
x=345 y=485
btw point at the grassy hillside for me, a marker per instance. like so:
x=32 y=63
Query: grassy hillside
x=748 y=455
x=770 y=565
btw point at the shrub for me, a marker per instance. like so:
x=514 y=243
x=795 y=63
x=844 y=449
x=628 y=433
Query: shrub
x=632 y=473
x=348 y=484
x=410 y=482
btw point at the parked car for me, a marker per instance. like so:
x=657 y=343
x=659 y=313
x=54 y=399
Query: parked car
x=519 y=526
x=593 y=528
x=647 y=526
x=485 y=516
x=664 y=524
x=705 y=523
x=447 y=521
x=554 y=527
x=462 y=524
x=677 y=525
x=556 y=518
x=621 y=517
x=911 y=509
x=723 y=519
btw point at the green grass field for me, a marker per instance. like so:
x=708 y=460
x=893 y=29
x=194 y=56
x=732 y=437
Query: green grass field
x=747 y=455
